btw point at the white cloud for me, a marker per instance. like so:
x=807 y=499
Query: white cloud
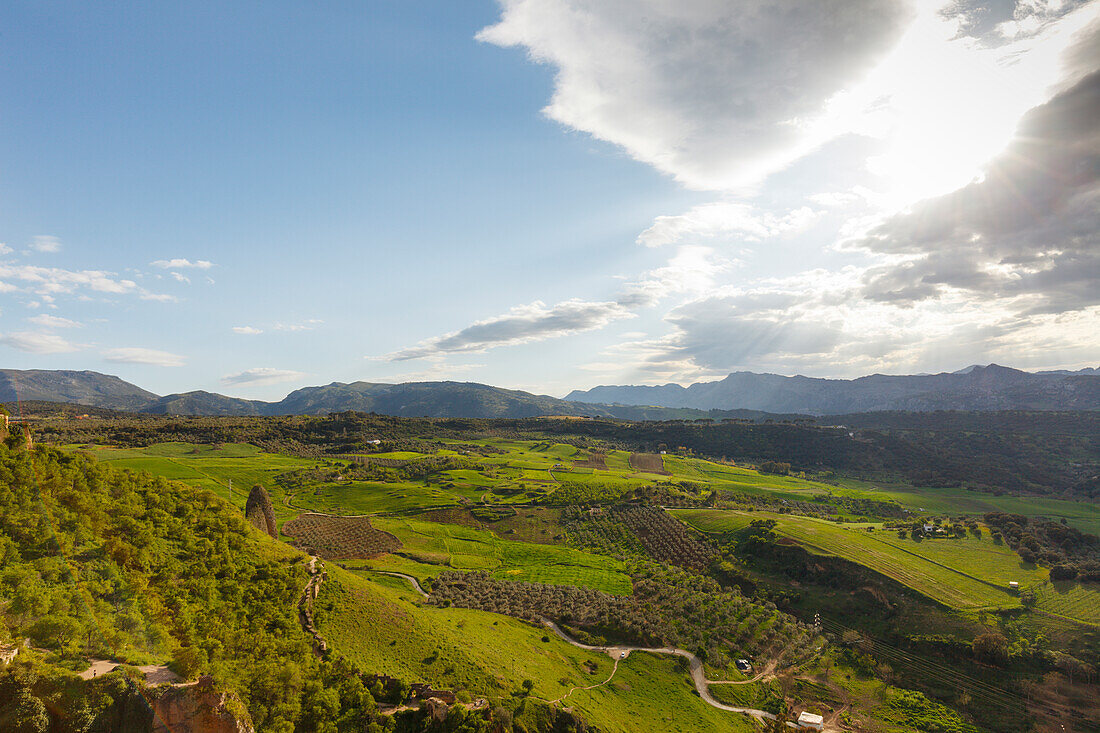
x=724 y=220
x=437 y=370
x=178 y=263
x=46 y=243
x=55 y=280
x=180 y=277
x=1029 y=229
x=138 y=355
x=49 y=321
x=260 y=376
x=307 y=325
x=717 y=94
x=5 y=249
x=38 y=342
x=247 y=330
x=522 y=324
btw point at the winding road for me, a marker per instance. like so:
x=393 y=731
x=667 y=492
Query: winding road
x=411 y=580
x=696 y=666
x=702 y=684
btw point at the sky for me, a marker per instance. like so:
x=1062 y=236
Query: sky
x=249 y=198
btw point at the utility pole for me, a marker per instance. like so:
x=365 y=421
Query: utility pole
x=230 y=491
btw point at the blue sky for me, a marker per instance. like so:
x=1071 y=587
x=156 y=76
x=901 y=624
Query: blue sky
x=541 y=194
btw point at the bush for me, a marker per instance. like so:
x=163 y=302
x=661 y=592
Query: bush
x=1063 y=572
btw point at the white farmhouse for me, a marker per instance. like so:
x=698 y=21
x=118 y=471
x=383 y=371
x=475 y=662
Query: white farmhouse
x=810 y=721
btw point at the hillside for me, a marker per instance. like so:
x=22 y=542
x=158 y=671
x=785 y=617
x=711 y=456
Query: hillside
x=59 y=385
x=990 y=387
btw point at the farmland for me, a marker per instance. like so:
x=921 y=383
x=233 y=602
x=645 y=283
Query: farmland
x=462 y=548
x=968 y=573
x=493 y=513
x=340 y=537
x=518 y=468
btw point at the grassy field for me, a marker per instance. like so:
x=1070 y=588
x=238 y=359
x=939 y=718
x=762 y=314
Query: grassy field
x=380 y=625
x=968 y=573
x=952 y=573
x=463 y=548
x=210 y=467
x=531 y=465
x=1081 y=514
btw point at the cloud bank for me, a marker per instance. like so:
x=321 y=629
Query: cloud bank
x=716 y=94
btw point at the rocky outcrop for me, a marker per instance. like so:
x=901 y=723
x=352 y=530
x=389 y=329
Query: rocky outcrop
x=259 y=512
x=199 y=709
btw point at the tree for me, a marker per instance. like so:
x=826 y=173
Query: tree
x=991 y=647
x=1063 y=571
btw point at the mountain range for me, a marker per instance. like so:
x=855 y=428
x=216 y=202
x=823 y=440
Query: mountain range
x=984 y=388
x=741 y=395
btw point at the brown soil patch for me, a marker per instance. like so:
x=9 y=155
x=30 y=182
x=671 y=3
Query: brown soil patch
x=594 y=460
x=339 y=538
x=648 y=463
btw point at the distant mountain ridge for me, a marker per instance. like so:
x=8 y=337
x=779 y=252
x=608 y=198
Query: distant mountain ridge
x=740 y=395
x=980 y=388
x=411 y=399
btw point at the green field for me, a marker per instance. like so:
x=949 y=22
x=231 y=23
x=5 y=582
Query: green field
x=951 y=577
x=210 y=467
x=968 y=573
x=1081 y=514
x=380 y=625
x=452 y=546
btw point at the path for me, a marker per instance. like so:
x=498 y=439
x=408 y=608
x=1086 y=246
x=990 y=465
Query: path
x=412 y=581
x=617 y=653
x=696 y=666
x=614 y=669
x=317 y=577
x=154 y=674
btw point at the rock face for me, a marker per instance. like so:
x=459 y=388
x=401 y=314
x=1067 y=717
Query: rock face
x=198 y=709
x=259 y=512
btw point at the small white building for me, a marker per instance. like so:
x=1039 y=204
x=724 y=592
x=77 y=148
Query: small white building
x=810 y=721
x=1014 y=585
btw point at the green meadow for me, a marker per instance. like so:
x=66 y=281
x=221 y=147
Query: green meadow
x=210 y=467
x=462 y=548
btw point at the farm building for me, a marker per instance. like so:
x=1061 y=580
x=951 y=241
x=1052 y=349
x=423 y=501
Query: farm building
x=1014 y=585
x=810 y=721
